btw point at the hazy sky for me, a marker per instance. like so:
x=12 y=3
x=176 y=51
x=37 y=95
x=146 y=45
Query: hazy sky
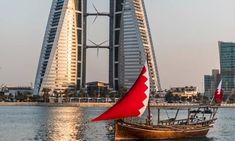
x=185 y=35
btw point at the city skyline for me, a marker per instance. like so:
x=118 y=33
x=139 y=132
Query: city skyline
x=174 y=27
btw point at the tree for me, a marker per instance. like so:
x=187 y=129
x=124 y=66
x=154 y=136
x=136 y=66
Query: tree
x=231 y=98
x=2 y=96
x=189 y=99
x=56 y=93
x=122 y=91
x=176 y=97
x=66 y=94
x=46 y=94
x=183 y=99
x=19 y=96
x=205 y=100
x=11 y=97
x=169 y=96
x=82 y=93
x=37 y=98
x=199 y=97
x=153 y=94
x=72 y=93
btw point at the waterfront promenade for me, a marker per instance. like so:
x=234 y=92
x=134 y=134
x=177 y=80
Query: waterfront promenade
x=187 y=105
x=94 y=104
x=75 y=104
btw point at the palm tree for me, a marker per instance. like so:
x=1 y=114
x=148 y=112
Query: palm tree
x=66 y=93
x=82 y=93
x=46 y=94
x=122 y=91
x=153 y=93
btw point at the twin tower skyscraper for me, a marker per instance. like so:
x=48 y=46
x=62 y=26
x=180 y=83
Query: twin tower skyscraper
x=62 y=63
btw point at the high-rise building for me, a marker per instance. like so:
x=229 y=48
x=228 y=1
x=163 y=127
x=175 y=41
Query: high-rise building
x=211 y=82
x=227 y=66
x=134 y=44
x=60 y=64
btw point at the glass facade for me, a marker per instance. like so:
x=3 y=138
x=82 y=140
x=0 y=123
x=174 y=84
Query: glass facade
x=115 y=21
x=211 y=82
x=62 y=62
x=60 y=59
x=227 y=65
x=136 y=45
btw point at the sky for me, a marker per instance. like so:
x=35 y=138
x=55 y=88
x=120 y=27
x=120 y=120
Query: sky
x=185 y=34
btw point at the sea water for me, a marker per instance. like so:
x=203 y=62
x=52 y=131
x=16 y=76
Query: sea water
x=35 y=123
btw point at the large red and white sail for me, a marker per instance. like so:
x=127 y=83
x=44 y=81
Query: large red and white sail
x=219 y=93
x=133 y=103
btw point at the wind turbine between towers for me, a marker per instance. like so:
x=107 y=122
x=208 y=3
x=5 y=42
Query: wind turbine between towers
x=95 y=45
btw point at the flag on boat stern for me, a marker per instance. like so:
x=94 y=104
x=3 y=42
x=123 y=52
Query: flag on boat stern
x=219 y=93
x=133 y=103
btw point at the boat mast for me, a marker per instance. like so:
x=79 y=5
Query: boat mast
x=158 y=115
x=149 y=114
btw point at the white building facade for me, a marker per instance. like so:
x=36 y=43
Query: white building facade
x=136 y=45
x=59 y=65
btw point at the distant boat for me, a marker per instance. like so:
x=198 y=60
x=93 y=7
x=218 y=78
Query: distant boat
x=197 y=122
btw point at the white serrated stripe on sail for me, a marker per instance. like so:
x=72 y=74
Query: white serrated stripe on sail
x=220 y=85
x=145 y=102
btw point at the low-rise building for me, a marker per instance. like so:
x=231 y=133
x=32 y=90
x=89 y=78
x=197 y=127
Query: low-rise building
x=9 y=90
x=187 y=91
x=97 y=89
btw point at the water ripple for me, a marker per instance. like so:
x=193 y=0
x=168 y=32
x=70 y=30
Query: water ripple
x=72 y=124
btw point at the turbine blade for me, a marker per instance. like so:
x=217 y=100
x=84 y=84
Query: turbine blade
x=95 y=8
x=97 y=13
x=103 y=42
x=93 y=43
x=95 y=19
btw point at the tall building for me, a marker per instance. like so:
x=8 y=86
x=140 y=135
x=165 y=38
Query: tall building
x=60 y=64
x=133 y=44
x=227 y=66
x=211 y=82
x=114 y=42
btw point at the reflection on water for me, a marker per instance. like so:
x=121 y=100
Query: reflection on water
x=40 y=123
x=71 y=124
x=59 y=124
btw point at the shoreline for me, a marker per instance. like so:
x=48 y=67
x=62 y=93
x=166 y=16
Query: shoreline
x=56 y=104
x=91 y=104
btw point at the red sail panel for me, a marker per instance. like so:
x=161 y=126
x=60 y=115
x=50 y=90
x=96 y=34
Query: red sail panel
x=219 y=94
x=133 y=103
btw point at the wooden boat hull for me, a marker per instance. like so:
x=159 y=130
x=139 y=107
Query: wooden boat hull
x=129 y=131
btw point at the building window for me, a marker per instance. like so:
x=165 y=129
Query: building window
x=116 y=71
x=117 y=20
x=116 y=54
x=79 y=70
x=79 y=20
x=117 y=34
x=79 y=53
x=116 y=85
x=119 y=5
x=79 y=5
x=79 y=37
x=78 y=84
